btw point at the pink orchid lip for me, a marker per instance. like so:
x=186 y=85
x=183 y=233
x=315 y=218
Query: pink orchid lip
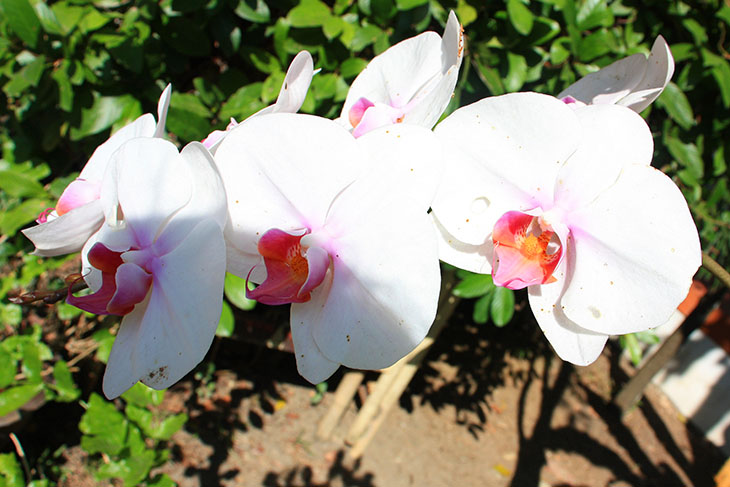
x=78 y=193
x=123 y=285
x=292 y=271
x=524 y=253
x=365 y=116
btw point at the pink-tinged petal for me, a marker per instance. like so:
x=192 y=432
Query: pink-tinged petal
x=524 y=255
x=504 y=154
x=284 y=182
x=107 y=262
x=599 y=158
x=80 y=192
x=213 y=138
x=473 y=258
x=245 y=264
x=162 y=105
x=169 y=333
x=318 y=261
x=610 y=84
x=311 y=362
x=153 y=183
x=68 y=232
x=421 y=70
x=132 y=285
x=377 y=116
x=358 y=110
x=659 y=70
x=571 y=342
x=95 y=168
x=636 y=249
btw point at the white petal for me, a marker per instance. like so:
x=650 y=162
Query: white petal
x=94 y=170
x=162 y=105
x=613 y=137
x=283 y=171
x=610 y=84
x=410 y=157
x=386 y=282
x=659 y=70
x=68 y=232
x=636 y=249
x=571 y=342
x=501 y=153
x=473 y=258
x=311 y=363
x=294 y=89
x=152 y=184
x=167 y=335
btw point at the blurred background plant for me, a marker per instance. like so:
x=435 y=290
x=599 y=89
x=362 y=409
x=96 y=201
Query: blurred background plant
x=72 y=71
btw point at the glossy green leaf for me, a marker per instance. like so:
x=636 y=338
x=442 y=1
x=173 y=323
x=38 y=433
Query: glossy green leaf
x=15 y=397
x=188 y=117
x=502 y=307
x=227 y=322
x=474 y=285
x=480 y=314
x=517 y=72
x=11 y=474
x=143 y=396
x=64 y=383
x=594 y=13
x=520 y=16
x=675 y=102
x=253 y=10
x=22 y=19
x=104 y=428
x=235 y=291
x=309 y=13
x=101 y=115
x=687 y=155
x=409 y=4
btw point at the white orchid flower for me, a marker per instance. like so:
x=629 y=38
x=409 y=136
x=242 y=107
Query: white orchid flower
x=78 y=214
x=158 y=261
x=633 y=82
x=291 y=96
x=411 y=82
x=564 y=202
x=338 y=227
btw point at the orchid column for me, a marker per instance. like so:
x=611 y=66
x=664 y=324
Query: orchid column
x=338 y=227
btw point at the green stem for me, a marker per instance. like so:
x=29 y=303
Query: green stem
x=716 y=269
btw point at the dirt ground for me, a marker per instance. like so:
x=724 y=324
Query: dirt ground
x=489 y=407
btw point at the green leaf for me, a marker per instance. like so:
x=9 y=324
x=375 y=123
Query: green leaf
x=161 y=481
x=695 y=28
x=235 y=290
x=352 y=67
x=595 y=45
x=674 y=101
x=309 y=13
x=11 y=475
x=409 y=4
x=227 y=323
x=48 y=19
x=560 y=50
x=465 y=12
x=261 y=59
x=104 y=428
x=503 y=306
x=7 y=368
x=480 y=314
x=64 y=383
x=631 y=344
x=105 y=340
x=27 y=77
x=687 y=155
x=253 y=11
x=474 y=285
x=594 y=13
x=143 y=396
x=15 y=397
x=243 y=103
x=517 y=72
x=520 y=16
x=188 y=117
x=102 y=114
x=21 y=17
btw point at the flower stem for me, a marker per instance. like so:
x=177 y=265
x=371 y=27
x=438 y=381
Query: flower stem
x=716 y=269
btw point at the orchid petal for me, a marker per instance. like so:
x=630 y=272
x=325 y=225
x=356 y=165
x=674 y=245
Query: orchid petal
x=78 y=193
x=168 y=334
x=294 y=88
x=659 y=70
x=599 y=159
x=473 y=258
x=377 y=116
x=152 y=184
x=282 y=190
x=133 y=284
x=571 y=342
x=68 y=232
x=636 y=249
x=503 y=151
x=95 y=168
x=162 y=105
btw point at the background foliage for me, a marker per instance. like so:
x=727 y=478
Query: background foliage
x=72 y=71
